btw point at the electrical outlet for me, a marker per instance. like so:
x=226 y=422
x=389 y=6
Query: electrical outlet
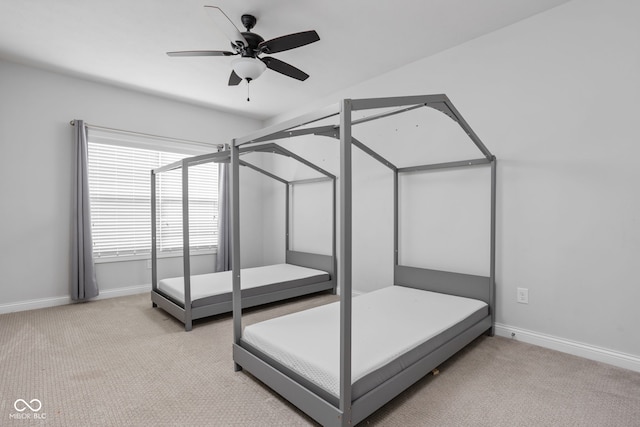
x=522 y=295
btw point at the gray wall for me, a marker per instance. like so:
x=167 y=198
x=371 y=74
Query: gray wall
x=36 y=178
x=555 y=97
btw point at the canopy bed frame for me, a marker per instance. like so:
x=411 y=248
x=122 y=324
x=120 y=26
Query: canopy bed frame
x=304 y=272
x=350 y=405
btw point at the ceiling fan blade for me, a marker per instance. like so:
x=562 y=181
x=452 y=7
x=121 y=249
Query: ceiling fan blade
x=201 y=53
x=290 y=41
x=284 y=68
x=234 y=79
x=226 y=26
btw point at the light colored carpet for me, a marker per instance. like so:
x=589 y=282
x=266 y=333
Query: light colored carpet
x=120 y=362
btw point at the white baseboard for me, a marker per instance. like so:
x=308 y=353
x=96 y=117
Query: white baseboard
x=56 y=301
x=587 y=351
x=121 y=292
x=34 y=304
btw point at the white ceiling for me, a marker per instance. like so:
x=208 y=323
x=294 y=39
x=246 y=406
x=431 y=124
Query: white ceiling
x=123 y=42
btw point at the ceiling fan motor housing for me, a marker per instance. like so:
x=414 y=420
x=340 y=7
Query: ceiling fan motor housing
x=253 y=40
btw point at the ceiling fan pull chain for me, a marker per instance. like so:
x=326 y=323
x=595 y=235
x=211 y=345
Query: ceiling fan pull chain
x=248 y=81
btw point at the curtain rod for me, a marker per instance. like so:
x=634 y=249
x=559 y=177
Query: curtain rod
x=166 y=138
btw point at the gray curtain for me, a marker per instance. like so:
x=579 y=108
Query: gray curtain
x=223 y=257
x=83 y=274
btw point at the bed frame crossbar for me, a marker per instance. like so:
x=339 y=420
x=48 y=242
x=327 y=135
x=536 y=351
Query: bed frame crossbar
x=309 y=181
x=277 y=149
x=279 y=130
x=373 y=154
x=264 y=172
x=446 y=165
x=319 y=130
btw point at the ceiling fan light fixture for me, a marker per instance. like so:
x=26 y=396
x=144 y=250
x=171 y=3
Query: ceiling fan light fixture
x=248 y=68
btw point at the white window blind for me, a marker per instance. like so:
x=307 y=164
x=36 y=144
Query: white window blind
x=120 y=191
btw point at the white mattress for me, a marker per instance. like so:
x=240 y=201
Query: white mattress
x=206 y=285
x=385 y=324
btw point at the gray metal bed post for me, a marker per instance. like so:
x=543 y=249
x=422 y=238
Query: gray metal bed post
x=235 y=246
x=334 y=239
x=154 y=248
x=396 y=227
x=492 y=266
x=345 y=261
x=188 y=322
x=289 y=190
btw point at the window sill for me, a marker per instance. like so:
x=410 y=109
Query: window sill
x=147 y=257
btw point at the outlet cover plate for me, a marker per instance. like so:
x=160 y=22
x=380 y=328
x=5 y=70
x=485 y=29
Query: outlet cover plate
x=522 y=295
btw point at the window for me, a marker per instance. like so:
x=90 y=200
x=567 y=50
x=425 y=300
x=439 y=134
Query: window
x=120 y=192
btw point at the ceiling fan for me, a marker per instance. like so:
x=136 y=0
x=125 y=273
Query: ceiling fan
x=249 y=66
